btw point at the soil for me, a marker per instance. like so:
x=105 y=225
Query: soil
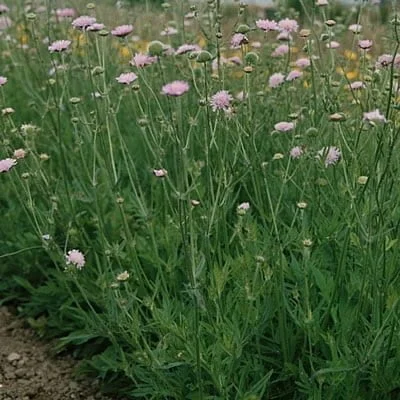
x=28 y=371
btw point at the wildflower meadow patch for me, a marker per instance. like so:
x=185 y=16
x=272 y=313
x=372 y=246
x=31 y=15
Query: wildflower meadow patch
x=200 y=201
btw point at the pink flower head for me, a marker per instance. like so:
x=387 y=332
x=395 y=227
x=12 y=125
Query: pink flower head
x=234 y=60
x=237 y=40
x=365 y=44
x=384 y=60
x=332 y=155
x=288 y=25
x=3 y=9
x=7 y=164
x=3 y=80
x=62 y=13
x=76 y=258
x=266 y=25
x=374 y=116
x=221 y=100
x=276 y=80
x=333 y=45
x=19 y=153
x=357 y=85
x=186 y=48
x=127 y=78
x=5 y=23
x=175 y=88
x=83 y=22
x=294 y=74
x=59 y=45
x=242 y=208
x=303 y=62
x=355 y=28
x=122 y=30
x=280 y=50
x=160 y=173
x=284 y=36
x=95 y=27
x=284 y=126
x=140 y=60
x=169 y=31
x=296 y=152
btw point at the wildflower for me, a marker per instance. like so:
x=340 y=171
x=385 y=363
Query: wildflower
x=122 y=30
x=333 y=45
x=284 y=36
x=28 y=129
x=332 y=155
x=294 y=74
x=303 y=62
x=7 y=111
x=7 y=164
x=243 y=208
x=288 y=25
x=4 y=9
x=255 y=45
x=355 y=28
x=266 y=25
x=76 y=258
x=296 y=152
x=234 y=60
x=194 y=202
x=374 y=116
x=357 y=85
x=280 y=50
x=127 y=78
x=59 y=46
x=3 y=80
x=175 y=88
x=83 y=22
x=62 y=13
x=322 y=3
x=284 y=126
x=307 y=243
x=169 y=31
x=140 y=60
x=362 y=180
x=160 y=173
x=276 y=79
x=44 y=156
x=302 y=205
x=123 y=276
x=278 y=156
x=237 y=40
x=5 y=23
x=46 y=236
x=221 y=100
x=186 y=48
x=365 y=44
x=330 y=22
x=19 y=153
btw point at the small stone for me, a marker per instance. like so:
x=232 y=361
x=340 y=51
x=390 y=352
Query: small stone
x=13 y=357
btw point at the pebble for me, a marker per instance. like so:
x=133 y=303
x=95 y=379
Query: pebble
x=13 y=357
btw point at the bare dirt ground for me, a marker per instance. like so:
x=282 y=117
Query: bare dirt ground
x=29 y=372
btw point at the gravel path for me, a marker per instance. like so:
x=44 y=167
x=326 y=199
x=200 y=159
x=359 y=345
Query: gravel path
x=29 y=372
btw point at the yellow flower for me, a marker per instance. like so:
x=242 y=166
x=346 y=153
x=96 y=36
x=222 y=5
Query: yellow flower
x=350 y=55
x=124 y=52
x=351 y=75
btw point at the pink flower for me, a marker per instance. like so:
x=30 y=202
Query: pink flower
x=243 y=208
x=356 y=85
x=355 y=28
x=127 y=78
x=59 y=46
x=365 y=44
x=288 y=25
x=332 y=155
x=294 y=74
x=235 y=60
x=83 y=22
x=3 y=9
x=169 y=31
x=384 y=60
x=62 y=13
x=122 y=30
x=186 y=48
x=276 y=80
x=237 y=40
x=140 y=60
x=95 y=27
x=175 y=88
x=3 y=80
x=333 y=45
x=19 y=153
x=7 y=164
x=221 y=100
x=322 y=3
x=160 y=173
x=296 y=152
x=266 y=25
x=76 y=258
x=284 y=126
x=5 y=23
x=280 y=50
x=374 y=116
x=284 y=36
x=303 y=62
